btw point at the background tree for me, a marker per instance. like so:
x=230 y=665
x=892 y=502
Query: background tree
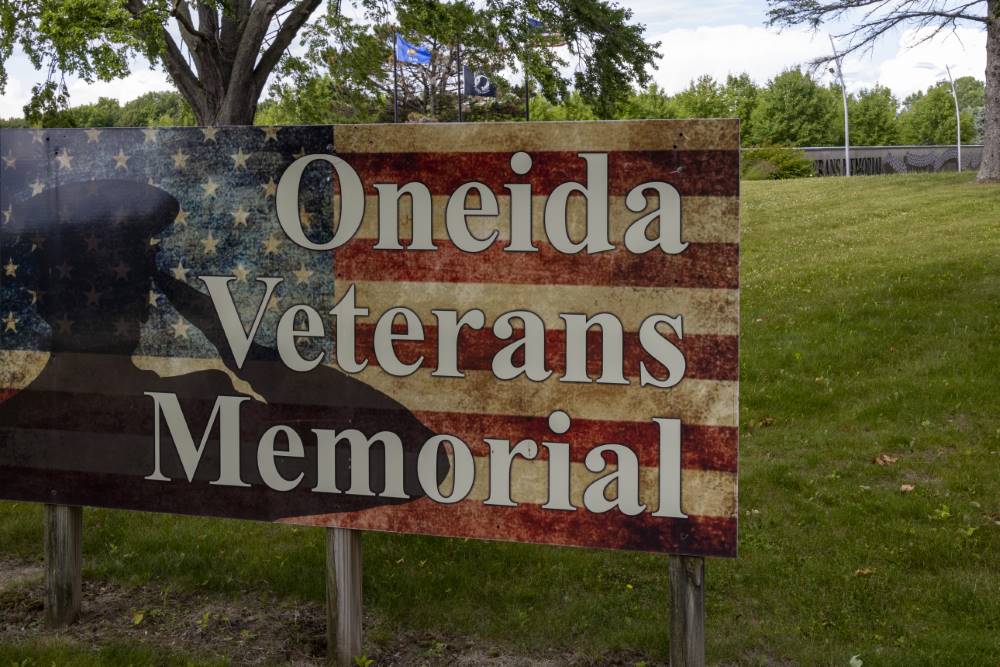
x=652 y=102
x=741 y=96
x=703 y=98
x=877 y=17
x=930 y=118
x=794 y=110
x=235 y=45
x=873 y=117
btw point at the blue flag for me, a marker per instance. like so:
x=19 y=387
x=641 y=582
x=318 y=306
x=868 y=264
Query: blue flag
x=408 y=53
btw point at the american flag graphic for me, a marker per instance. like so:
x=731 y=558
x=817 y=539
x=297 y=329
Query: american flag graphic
x=224 y=183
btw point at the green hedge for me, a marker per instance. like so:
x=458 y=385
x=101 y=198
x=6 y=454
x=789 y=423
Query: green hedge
x=771 y=163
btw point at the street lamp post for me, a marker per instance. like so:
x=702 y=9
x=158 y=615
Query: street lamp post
x=847 y=122
x=958 y=111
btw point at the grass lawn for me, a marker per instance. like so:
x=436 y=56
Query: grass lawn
x=871 y=325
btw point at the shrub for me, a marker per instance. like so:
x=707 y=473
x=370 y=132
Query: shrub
x=774 y=163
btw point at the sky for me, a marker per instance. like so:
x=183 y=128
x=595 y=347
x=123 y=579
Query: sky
x=716 y=37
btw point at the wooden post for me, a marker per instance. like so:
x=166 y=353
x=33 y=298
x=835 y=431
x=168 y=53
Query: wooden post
x=687 y=611
x=63 y=562
x=343 y=595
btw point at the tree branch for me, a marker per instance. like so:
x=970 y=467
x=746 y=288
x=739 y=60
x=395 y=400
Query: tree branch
x=293 y=23
x=878 y=17
x=181 y=73
x=180 y=12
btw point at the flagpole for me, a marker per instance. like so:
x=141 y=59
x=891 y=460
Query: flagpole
x=395 y=79
x=524 y=62
x=461 y=81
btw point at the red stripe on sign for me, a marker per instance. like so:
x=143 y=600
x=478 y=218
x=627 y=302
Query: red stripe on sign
x=712 y=265
x=702 y=447
x=708 y=357
x=698 y=173
x=710 y=536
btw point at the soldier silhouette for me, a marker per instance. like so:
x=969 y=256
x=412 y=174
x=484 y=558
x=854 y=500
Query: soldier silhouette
x=81 y=432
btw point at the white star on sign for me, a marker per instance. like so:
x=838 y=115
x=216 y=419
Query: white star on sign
x=180 y=328
x=271 y=245
x=270 y=188
x=9 y=160
x=181 y=218
x=65 y=325
x=153 y=299
x=210 y=187
x=121 y=160
x=8 y=213
x=11 y=268
x=10 y=323
x=302 y=275
x=180 y=159
x=240 y=273
x=180 y=273
x=64 y=159
x=240 y=216
x=93 y=135
x=37 y=135
x=210 y=244
x=37 y=187
x=150 y=134
x=239 y=159
x=270 y=133
x=209 y=133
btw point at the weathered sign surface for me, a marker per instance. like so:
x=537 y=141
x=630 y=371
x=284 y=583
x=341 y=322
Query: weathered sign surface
x=514 y=331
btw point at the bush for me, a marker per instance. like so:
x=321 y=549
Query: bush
x=774 y=163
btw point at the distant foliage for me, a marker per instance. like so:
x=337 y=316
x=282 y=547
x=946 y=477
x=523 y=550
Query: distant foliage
x=930 y=118
x=795 y=110
x=774 y=163
x=873 y=117
x=160 y=109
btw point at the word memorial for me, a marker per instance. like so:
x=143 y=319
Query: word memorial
x=508 y=331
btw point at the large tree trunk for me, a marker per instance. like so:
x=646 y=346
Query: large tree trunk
x=989 y=170
x=231 y=53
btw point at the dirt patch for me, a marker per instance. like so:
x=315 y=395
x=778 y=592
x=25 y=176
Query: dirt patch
x=13 y=575
x=245 y=628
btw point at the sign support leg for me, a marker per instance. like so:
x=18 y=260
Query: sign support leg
x=63 y=563
x=687 y=611
x=343 y=595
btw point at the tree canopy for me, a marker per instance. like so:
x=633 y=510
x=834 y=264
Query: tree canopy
x=221 y=55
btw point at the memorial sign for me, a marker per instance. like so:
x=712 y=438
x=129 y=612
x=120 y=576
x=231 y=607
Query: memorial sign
x=514 y=331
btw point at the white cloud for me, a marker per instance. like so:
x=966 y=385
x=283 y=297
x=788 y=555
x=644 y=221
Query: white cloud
x=142 y=80
x=763 y=53
x=732 y=49
x=964 y=50
x=23 y=76
x=14 y=98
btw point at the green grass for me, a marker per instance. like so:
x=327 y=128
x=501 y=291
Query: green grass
x=871 y=324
